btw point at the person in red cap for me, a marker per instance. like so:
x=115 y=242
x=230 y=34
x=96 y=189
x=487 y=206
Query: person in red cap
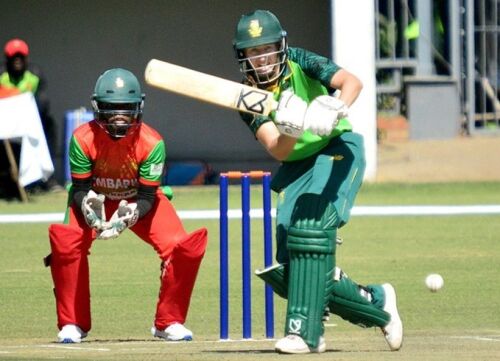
x=16 y=46
x=18 y=75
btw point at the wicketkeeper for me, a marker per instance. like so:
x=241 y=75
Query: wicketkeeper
x=320 y=174
x=116 y=167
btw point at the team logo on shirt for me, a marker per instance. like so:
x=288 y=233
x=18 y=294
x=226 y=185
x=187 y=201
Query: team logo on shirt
x=112 y=183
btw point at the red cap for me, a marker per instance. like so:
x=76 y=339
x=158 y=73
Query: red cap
x=16 y=46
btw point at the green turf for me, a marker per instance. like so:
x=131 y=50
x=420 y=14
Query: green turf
x=461 y=322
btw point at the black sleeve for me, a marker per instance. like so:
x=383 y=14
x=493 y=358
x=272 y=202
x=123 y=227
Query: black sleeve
x=80 y=189
x=145 y=199
x=254 y=121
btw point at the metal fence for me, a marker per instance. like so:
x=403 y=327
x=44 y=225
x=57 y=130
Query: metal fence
x=456 y=40
x=486 y=31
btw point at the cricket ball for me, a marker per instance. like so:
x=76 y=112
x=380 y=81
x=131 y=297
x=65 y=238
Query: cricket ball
x=434 y=282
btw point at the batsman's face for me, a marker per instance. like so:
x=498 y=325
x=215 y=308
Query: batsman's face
x=264 y=59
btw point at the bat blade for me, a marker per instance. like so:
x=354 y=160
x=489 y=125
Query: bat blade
x=208 y=88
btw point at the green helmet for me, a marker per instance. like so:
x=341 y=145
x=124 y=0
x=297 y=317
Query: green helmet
x=256 y=29
x=117 y=86
x=117 y=102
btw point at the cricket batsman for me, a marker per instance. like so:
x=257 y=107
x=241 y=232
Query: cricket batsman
x=321 y=171
x=116 y=163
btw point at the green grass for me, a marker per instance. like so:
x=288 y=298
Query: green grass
x=460 y=322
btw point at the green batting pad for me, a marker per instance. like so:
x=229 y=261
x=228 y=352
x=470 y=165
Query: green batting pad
x=348 y=302
x=310 y=274
x=310 y=278
x=311 y=247
x=345 y=299
x=275 y=277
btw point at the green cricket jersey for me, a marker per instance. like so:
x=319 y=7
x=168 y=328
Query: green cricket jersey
x=309 y=75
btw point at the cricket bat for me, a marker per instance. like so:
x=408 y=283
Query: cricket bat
x=209 y=88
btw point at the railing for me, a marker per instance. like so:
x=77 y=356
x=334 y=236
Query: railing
x=466 y=49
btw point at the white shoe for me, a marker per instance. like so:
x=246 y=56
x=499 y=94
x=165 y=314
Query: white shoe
x=174 y=332
x=295 y=344
x=71 y=334
x=393 y=331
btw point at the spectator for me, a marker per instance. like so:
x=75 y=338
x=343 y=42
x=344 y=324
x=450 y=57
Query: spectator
x=23 y=76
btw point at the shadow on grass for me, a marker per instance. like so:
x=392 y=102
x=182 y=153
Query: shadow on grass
x=249 y=351
x=119 y=340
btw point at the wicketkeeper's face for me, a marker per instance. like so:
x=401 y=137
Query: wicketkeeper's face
x=118 y=118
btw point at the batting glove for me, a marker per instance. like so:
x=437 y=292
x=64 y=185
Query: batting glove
x=289 y=117
x=323 y=114
x=93 y=210
x=124 y=217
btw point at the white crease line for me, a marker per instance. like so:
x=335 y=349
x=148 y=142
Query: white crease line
x=411 y=210
x=478 y=338
x=123 y=343
x=67 y=347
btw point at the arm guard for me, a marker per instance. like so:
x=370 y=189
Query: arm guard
x=80 y=189
x=145 y=199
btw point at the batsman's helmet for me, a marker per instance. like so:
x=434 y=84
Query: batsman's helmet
x=118 y=102
x=255 y=29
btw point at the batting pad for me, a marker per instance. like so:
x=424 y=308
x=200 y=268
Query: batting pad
x=311 y=276
x=276 y=278
x=347 y=302
x=345 y=298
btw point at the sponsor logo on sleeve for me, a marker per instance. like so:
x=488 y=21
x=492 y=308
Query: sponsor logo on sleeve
x=156 y=169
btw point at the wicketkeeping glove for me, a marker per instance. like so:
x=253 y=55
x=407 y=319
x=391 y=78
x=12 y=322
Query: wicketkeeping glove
x=323 y=114
x=93 y=210
x=124 y=217
x=289 y=117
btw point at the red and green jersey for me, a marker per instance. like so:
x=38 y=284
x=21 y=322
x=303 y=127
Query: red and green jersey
x=117 y=166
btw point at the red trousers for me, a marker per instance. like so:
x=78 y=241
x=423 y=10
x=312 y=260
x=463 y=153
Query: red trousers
x=180 y=254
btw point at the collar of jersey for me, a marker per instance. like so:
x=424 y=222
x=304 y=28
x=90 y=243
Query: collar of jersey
x=284 y=82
